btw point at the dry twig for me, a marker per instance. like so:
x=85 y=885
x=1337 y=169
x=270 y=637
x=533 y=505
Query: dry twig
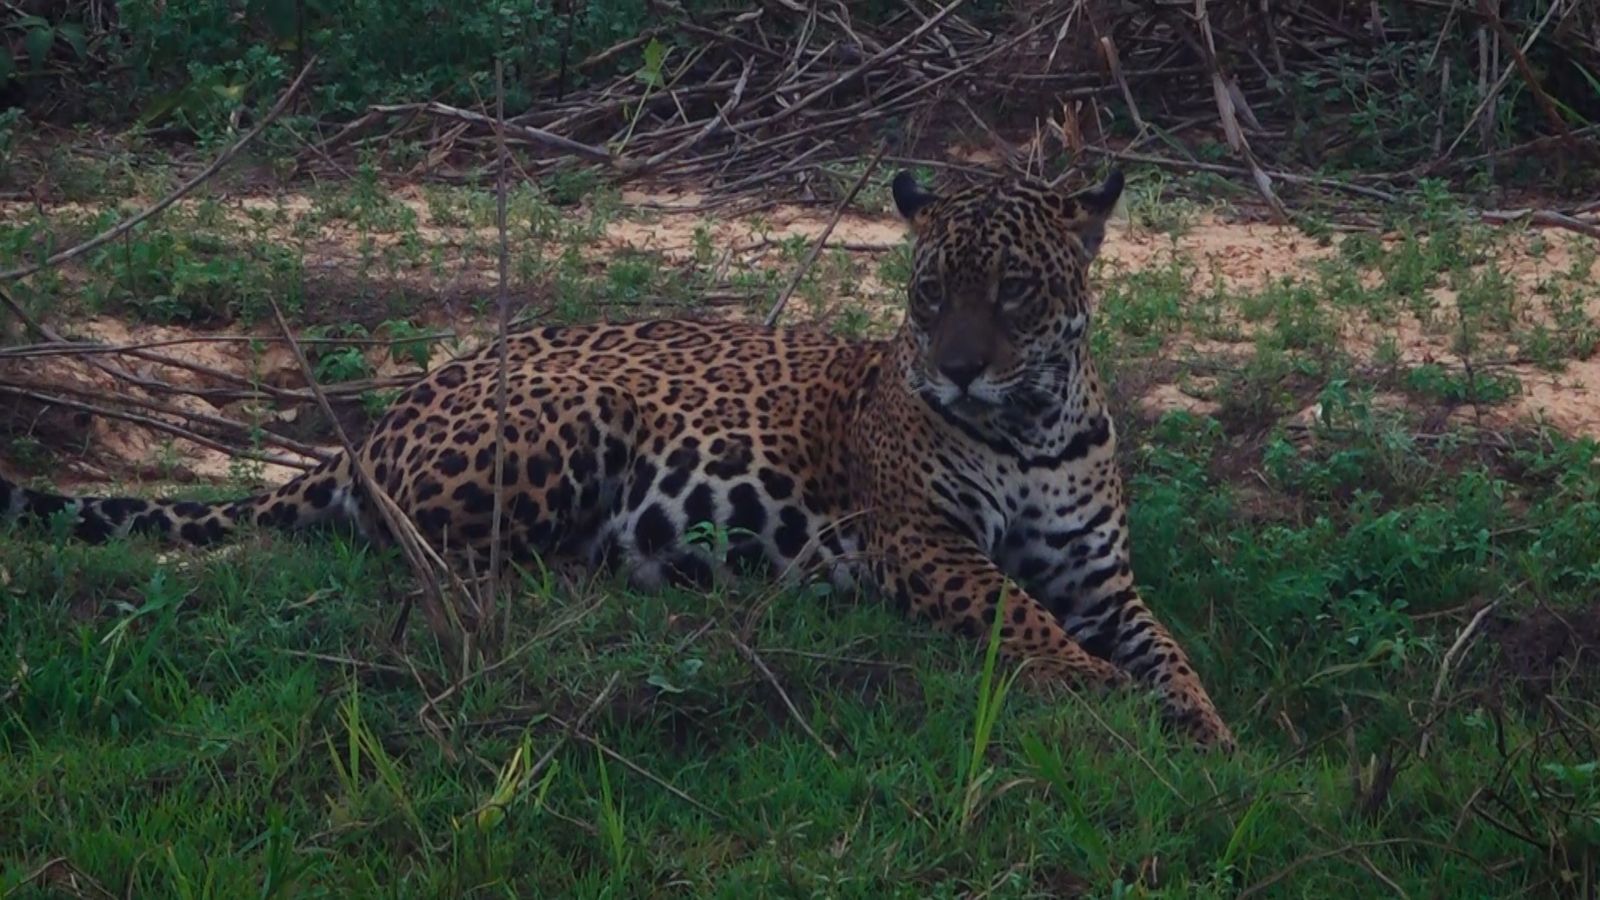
x=1456 y=647
x=430 y=569
x=761 y=666
x=490 y=586
x=822 y=239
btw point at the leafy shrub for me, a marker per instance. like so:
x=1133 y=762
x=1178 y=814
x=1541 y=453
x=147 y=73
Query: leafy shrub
x=172 y=274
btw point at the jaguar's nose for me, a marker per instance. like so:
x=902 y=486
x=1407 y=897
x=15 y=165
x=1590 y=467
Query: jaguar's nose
x=962 y=371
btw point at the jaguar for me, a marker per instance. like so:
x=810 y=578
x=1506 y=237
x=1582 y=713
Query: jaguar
x=964 y=468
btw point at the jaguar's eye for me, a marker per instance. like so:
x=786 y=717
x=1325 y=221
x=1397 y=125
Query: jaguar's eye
x=1013 y=291
x=928 y=295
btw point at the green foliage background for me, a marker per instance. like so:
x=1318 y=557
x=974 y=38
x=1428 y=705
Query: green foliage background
x=1354 y=101
x=201 y=57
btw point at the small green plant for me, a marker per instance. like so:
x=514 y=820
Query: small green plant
x=160 y=599
x=1152 y=206
x=283 y=866
x=652 y=74
x=992 y=690
x=1086 y=834
x=853 y=322
x=381 y=792
x=613 y=830
x=512 y=786
x=678 y=681
x=334 y=362
x=246 y=473
x=343 y=364
x=179 y=272
x=29 y=453
x=1461 y=386
x=213 y=95
x=704 y=252
x=377 y=402
x=568 y=187
x=409 y=343
x=1148 y=303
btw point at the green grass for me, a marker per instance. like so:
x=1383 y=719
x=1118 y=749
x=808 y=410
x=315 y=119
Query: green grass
x=243 y=722
x=231 y=724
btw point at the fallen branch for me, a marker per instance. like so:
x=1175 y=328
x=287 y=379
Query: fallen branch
x=1545 y=217
x=1222 y=169
x=89 y=394
x=870 y=63
x=717 y=122
x=526 y=132
x=60 y=874
x=1227 y=112
x=152 y=423
x=96 y=348
x=574 y=726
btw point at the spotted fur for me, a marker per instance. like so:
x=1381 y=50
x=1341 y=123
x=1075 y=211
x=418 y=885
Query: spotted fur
x=970 y=455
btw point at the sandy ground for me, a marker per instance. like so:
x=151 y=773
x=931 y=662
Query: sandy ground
x=1226 y=257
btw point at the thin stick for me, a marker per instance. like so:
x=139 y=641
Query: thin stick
x=1127 y=744
x=1353 y=847
x=424 y=562
x=847 y=246
x=342 y=661
x=1545 y=217
x=1449 y=660
x=844 y=660
x=1114 y=61
x=570 y=728
x=51 y=335
x=822 y=239
x=194 y=417
x=643 y=37
x=73 y=874
x=1533 y=144
x=760 y=665
x=717 y=121
x=1228 y=114
x=526 y=132
x=666 y=785
x=1223 y=169
x=574 y=726
x=503 y=301
x=1494 y=92
x=155 y=424
x=127 y=224
x=94 y=348
x=1520 y=59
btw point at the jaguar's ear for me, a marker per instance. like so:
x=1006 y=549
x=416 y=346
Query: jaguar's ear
x=909 y=197
x=1092 y=207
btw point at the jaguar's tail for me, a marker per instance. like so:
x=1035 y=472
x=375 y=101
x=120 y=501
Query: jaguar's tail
x=322 y=495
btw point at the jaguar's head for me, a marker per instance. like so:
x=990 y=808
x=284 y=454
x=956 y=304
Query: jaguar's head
x=999 y=294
